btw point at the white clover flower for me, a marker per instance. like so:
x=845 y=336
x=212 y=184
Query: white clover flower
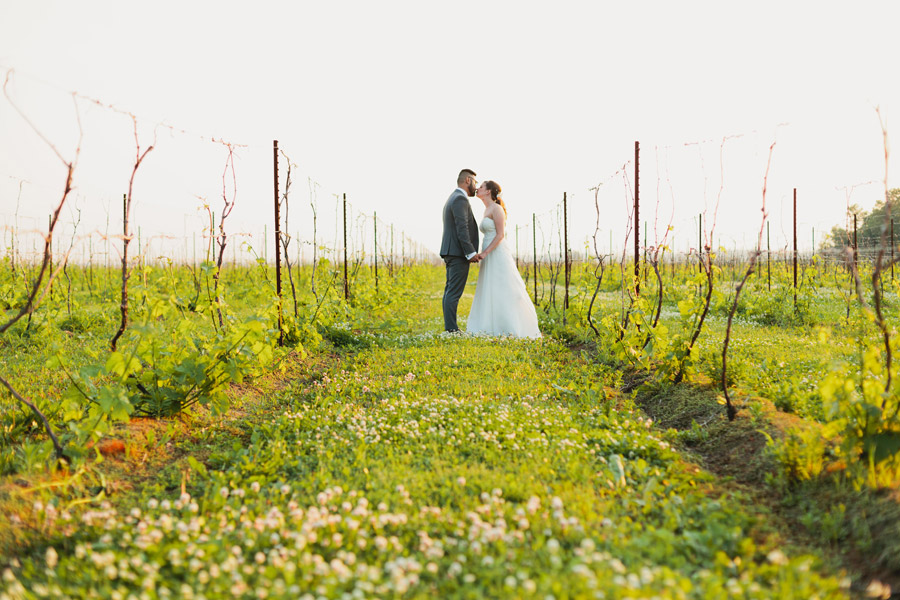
x=285 y=489
x=461 y=480
x=254 y=487
x=260 y=558
x=553 y=546
x=777 y=557
x=164 y=505
x=152 y=503
x=8 y=576
x=51 y=557
x=224 y=492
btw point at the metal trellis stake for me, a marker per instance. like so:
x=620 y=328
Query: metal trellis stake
x=346 y=280
x=795 y=248
x=534 y=256
x=375 y=219
x=566 y=251
x=517 y=246
x=637 y=229
x=278 y=245
x=769 y=255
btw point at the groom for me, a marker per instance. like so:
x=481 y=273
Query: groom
x=459 y=244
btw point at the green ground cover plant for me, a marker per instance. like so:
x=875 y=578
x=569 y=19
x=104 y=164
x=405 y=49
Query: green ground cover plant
x=435 y=466
x=381 y=458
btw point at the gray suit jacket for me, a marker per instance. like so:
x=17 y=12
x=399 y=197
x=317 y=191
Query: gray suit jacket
x=460 y=230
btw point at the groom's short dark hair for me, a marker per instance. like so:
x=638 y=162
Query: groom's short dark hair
x=461 y=179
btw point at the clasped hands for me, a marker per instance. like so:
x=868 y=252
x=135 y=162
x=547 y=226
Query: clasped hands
x=477 y=258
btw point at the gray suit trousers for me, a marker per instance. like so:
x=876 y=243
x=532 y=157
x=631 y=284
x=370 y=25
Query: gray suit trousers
x=457 y=274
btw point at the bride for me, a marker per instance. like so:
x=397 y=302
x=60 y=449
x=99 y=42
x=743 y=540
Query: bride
x=501 y=305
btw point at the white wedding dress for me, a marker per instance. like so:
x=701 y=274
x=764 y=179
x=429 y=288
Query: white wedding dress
x=501 y=305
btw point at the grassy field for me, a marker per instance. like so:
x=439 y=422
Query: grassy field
x=376 y=457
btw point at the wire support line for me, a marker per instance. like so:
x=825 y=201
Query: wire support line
x=11 y=71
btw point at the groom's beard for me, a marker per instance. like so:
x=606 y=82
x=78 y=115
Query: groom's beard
x=471 y=190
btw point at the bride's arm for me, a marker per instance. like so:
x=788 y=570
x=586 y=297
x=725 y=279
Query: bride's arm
x=499 y=218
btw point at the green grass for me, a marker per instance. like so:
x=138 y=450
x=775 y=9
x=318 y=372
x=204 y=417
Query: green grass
x=436 y=466
x=394 y=461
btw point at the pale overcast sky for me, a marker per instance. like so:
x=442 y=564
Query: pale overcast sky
x=386 y=101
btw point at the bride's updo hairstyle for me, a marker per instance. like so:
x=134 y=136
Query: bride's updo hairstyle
x=495 y=190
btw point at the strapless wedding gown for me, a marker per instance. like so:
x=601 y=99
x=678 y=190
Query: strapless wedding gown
x=501 y=305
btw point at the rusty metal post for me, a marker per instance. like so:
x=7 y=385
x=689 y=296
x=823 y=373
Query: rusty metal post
x=534 y=256
x=277 y=244
x=50 y=251
x=346 y=280
x=673 y=250
x=813 y=254
x=568 y=271
x=769 y=254
x=637 y=228
x=795 y=248
x=517 y=247
x=700 y=251
x=700 y=235
x=645 y=253
x=892 y=249
x=855 y=245
x=375 y=218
